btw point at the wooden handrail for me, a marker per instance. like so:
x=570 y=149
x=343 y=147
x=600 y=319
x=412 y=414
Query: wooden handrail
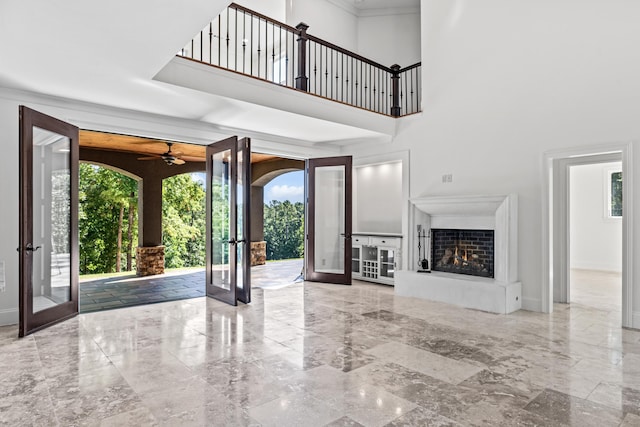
x=256 y=45
x=266 y=18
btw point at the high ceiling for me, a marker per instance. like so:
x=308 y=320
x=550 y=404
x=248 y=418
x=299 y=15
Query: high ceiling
x=108 y=52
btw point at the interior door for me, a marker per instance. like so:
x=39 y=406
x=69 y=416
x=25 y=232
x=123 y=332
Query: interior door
x=329 y=212
x=228 y=272
x=48 y=245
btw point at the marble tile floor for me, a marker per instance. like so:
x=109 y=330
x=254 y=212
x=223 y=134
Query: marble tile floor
x=128 y=291
x=323 y=355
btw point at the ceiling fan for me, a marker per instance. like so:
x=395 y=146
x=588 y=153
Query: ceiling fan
x=170 y=157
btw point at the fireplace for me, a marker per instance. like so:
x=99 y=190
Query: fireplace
x=490 y=220
x=463 y=251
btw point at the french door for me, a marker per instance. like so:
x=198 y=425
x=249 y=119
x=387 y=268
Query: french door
x=48 y=246
x=228 y=201
x=329 y=212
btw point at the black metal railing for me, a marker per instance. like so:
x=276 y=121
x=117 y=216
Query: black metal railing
x=250 y=43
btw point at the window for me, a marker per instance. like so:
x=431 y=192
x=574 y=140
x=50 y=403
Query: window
x=614 y=192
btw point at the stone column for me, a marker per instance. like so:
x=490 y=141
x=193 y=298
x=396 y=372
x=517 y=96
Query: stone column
x=150 y=260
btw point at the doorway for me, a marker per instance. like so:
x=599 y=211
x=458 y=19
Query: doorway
x=595 y=225
x=556 y=222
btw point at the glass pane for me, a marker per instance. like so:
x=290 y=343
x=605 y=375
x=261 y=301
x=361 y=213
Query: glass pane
x=330 y=218
x=220 y=221
x=616 y=194
x=387 y=266
x=240 y=194
x=51 y=219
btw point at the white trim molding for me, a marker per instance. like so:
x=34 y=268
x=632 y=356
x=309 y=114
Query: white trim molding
x=9 y=316
x=555 y=222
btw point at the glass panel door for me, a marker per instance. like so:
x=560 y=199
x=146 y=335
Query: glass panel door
x=48 y=229
x=243 y=246
x=328 y=254
x=228 y=272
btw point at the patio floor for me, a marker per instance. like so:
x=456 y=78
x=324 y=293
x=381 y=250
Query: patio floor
x=127 y=291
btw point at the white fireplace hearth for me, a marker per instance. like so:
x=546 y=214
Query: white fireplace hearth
x=501 y=294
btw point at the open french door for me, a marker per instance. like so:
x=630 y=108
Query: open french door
x=48 y=246
x=329 y=212
x=228 y=201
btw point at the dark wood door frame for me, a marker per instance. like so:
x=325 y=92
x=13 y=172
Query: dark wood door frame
x=311 y=274
x=28 y=320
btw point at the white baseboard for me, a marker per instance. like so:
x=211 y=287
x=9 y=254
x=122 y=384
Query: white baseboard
x=9 y=316
x=607 y=268
x=532 y=304
x=635 y=320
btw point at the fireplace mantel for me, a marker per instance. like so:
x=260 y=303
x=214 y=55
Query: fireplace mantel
x=489 y=212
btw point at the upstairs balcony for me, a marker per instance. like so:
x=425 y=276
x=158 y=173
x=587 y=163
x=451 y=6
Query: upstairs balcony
x=251 y=44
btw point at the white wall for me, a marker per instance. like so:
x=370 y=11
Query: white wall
x=390 y=39
x=378 y=198
x=596 y=241
x=508 y=81
x=326 y=21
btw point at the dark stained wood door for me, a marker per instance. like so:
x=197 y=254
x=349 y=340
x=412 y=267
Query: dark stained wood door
x=228 y=273
x=48 y=246
x=329 y=214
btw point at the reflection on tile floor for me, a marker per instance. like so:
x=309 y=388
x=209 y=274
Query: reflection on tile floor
x=323 y=355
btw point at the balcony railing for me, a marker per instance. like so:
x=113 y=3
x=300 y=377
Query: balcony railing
x=247 y=42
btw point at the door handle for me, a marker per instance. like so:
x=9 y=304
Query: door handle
x=232 y=241
x=29 y=248
x=346 y=236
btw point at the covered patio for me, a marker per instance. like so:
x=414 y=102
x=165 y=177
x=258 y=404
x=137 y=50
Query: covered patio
x=132 y=290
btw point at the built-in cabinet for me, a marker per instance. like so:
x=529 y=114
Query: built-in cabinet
x=376 y=257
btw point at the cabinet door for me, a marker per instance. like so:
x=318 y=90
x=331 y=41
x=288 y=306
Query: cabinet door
x=356 y=264
x=387 y=262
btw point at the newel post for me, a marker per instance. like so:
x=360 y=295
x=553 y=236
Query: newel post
x=395 y=90
x=302 y=79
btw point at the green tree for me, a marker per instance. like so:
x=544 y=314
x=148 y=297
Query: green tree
x=183 y=221
x=104 y=196
x=284 y=229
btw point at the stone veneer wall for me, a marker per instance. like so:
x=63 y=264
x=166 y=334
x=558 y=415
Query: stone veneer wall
x=149 y=260
x=258 y=253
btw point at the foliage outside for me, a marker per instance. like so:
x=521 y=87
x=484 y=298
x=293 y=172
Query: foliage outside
x=183 y=221
x=284 y=229
x=616 y=194
x=108 y=225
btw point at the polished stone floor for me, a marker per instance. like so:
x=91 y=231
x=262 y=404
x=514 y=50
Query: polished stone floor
x=324 y=355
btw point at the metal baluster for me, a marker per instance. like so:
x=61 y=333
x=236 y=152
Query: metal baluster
x=244 y=42
x=235 y=41
x=266 y=52
x=259 y=50
x=210 y=41
x=227 y=39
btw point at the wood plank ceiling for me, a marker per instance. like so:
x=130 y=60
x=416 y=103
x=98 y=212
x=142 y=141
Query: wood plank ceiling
x=150 y=147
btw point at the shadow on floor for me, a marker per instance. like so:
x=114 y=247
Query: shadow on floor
x=127 y=291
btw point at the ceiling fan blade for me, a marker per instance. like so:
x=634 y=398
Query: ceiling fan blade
x=179 y=162
x=192 y=159
x=150 y=158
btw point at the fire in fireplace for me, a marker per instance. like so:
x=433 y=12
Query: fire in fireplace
x=463 y=251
